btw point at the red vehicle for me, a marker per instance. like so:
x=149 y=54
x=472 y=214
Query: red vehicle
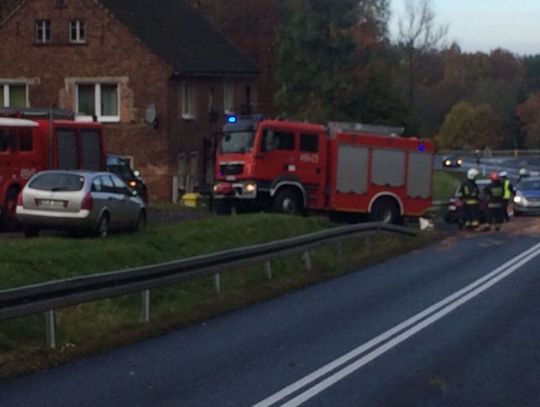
x=290 y=167
x=33 y=140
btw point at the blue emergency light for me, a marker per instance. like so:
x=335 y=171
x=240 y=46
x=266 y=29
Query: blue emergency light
x=232 y=119
x=421 y=148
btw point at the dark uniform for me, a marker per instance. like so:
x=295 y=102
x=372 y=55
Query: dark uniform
x=469 y=192
x=495 y=203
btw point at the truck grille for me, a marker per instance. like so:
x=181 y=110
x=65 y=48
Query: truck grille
x=231 y=169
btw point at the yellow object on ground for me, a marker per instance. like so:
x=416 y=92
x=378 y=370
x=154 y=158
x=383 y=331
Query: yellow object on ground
x=190 y=199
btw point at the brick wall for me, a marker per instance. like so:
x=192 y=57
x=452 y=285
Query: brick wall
x=111 y=53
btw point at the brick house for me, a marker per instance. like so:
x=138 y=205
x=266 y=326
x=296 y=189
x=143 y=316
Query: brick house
x=251 y=25
x=156 y=73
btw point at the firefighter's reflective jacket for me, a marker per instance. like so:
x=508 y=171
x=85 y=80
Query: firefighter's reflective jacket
x=508 y=189
x=469 y=192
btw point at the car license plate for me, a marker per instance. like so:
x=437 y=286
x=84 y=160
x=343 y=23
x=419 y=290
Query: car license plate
x=49 y=203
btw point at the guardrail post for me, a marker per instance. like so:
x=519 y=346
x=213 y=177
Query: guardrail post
x=217 y=282
x=307 y=260
x=50 y=329
x=145 y=306
x=268 y=270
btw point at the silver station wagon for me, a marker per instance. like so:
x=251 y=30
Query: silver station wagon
x=79 y=201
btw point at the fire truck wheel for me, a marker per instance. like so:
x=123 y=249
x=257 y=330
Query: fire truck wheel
x=10 y=204
x=385 y=210
x=103 y=226
x=288 y=201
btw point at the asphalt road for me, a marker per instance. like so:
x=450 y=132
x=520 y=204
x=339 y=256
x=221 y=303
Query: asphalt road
x=454 y=324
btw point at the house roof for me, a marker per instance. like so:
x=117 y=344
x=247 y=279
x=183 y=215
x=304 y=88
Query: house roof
x=181 y=36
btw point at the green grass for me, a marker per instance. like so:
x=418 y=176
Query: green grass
x=51 y=258
x=89 y=328
x=444 y=184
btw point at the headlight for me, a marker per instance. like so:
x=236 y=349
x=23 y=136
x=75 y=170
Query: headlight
x=447 y=162
x=460 y=162
x=520 y=200
x=251 y=187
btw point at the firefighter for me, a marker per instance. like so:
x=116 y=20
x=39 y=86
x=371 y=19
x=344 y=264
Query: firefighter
x=495 y=203
x=508 y=193
x=469 y=192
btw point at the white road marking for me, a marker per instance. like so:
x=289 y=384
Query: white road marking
x=422 y=320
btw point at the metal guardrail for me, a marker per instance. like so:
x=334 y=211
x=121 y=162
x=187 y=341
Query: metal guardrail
x=46 y=297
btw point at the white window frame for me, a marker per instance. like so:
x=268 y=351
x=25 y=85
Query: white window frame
x=80 y=32
x=6 y=85
x=97 y=101
x=42 y=31
x=186 y=100
x=228 y=96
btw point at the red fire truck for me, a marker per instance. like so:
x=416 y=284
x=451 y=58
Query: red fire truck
x=290 y=167
x=33 y=140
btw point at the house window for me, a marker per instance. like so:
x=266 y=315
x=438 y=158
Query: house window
x=13 y=95
x=77 y=32
x=186 y=100
x=100 y=100
x=43 y=31
x=228 y=92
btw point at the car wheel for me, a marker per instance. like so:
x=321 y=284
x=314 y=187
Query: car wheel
x=30 y=232
x=103 y=226
x=141 y=222
x=385 y=210
x=288 y=201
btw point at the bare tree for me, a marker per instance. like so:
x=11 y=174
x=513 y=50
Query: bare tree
x=418 y=33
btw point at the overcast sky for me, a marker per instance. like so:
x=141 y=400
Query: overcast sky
x=483 y=25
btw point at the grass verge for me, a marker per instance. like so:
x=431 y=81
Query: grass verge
x=445 y=184
x=94 y=327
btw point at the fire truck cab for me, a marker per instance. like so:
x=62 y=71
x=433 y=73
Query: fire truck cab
x=33 y=140
x=290 y=167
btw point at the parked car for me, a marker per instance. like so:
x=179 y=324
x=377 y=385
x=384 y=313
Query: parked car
x=527 y=196
x=120 y=166
x=455 y=212
x=79 y=200
x=451 y=161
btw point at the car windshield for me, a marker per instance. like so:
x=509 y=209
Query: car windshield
x=57 y=182
x=529 y=184
x=237 y=142
x=123 y=171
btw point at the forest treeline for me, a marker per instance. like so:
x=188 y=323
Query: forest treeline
x=336 y=61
